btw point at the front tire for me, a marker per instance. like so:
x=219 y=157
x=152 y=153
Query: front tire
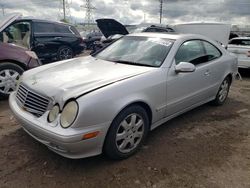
x=9 y=75
x=223 y=92
x=127 y=133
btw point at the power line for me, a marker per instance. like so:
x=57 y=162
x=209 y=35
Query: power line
x=89 y=10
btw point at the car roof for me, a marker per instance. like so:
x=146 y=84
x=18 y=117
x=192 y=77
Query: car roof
x=172 y=36
x=42 y=20
x=240 y=38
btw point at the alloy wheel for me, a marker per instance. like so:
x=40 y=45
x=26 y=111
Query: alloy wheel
x=129 y=133
x=65 y=53
x=223 y=90
x=8 y=80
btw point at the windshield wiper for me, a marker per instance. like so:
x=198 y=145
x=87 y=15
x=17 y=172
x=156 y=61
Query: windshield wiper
x=132 y=63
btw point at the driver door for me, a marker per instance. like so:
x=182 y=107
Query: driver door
x=187 y=89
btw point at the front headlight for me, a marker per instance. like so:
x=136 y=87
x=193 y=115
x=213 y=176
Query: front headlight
x=53 y=113
x=19 y=81
x=69 y=114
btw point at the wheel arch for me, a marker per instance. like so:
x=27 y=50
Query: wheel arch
x=22 y=65
x=142 y=104
x=230 y=76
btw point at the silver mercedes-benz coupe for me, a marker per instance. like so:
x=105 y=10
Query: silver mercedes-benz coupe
x=109 y=101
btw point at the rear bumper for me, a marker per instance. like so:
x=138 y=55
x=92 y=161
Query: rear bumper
x=68 y=143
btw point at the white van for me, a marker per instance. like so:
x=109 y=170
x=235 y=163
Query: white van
x=217 y=31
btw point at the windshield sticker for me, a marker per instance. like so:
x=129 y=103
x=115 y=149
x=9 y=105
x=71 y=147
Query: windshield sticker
x=160 y=41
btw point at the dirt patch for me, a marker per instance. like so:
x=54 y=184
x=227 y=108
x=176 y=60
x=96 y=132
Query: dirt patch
x=206 y=147
x=8 y=123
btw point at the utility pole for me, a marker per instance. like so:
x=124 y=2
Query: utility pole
x=2 y=6
x=89 y=9
x=64 y=10
x=161 y=4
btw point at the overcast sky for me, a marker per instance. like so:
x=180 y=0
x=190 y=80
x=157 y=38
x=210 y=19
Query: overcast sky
x=134 y=11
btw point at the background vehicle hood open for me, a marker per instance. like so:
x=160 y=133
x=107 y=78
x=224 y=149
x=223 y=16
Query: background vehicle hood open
x=71 y=78
x=111 y=27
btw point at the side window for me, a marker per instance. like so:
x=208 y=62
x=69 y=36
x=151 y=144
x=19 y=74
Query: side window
x=62 y=29
x=17 y=33
x=235 y=42
x=211 y=51
x=42 y=27
x=245 y=43
x=191 y=51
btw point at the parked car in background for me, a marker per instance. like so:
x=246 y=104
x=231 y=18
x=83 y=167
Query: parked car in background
x=233 y=35
x=113 y=30
x=14 y=60
x=108 y=102
x=50 y=40
x=158 y=29
x=90 y=38
x=240 y=47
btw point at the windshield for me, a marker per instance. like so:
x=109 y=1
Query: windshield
x=136 y=50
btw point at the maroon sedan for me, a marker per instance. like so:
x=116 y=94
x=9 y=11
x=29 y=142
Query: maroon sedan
x=14 y=60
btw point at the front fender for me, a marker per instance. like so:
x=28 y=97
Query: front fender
x=104 y=104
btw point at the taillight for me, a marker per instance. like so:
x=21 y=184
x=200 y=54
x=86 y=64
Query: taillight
x=81 y=40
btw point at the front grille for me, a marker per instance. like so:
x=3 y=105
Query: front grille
x=32 y=102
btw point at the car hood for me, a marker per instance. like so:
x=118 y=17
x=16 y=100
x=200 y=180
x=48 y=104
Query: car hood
x=72 y=78
x=111 y=27
x=12 y=46
x=7 y=20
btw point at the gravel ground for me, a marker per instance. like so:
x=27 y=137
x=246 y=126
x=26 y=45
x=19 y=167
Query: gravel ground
x=206 y=147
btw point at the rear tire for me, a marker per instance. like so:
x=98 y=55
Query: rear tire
x=127 y=133
x=222 y=93
x=9 y=75
x=64 y=52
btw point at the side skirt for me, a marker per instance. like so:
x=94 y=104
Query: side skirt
x=164 y=120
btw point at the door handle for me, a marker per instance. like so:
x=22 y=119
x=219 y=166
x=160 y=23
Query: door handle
x=207 y=73
x=57 y=38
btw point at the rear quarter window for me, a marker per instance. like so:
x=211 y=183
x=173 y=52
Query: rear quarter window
x=212 y=52
x=74 y=30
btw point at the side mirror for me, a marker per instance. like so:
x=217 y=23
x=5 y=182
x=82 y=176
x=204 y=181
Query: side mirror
x=184 y=67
